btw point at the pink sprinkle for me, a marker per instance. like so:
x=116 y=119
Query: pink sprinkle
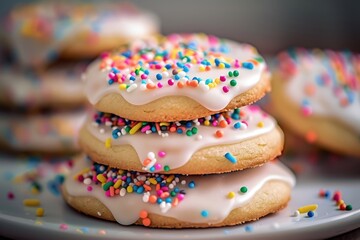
x=159 y=85
x=245 y=122
x=143 y=76
x=222 y=78
x=236 y=64
x=10 y=195
x=64 y=226
x=157 y=66
x=89 y=188
x=107 y=193
x=306 y=111
x=157 y=166
x=104 y=55
x=225 y=89
x=159 y=192
x=144 y=129
x=171 y=82
x=180 y=197
x=215 y=123
x=111 y=75
x=161 y=154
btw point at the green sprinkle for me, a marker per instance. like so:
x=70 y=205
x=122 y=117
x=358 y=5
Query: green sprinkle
x=107 y=185
x=259 y=59
x=243 y=189
x=194 y=130
x=189 y=133
x=173 y=193
x=230 y=73
x=236 y=73
x=166 y=168
x=348 y=207
x=233 y=83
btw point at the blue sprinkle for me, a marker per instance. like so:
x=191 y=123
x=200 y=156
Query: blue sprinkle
x=152 y=169
x=247 y=65
x=204 y=213
x=230 y=157
x=179 y=131
x=207 y=81
x=132 y=78
x=115 y=133
x=135 y=188
x=217 y=62
x=176 y=189
x=249 y=228
x=115 y=70
x=59 y=179
x=310 y=214
x=327 y=194
x=168 y=66
x=85 y=229
x=126 y=54
x=159 y=200
x=185 y=69
x=319 y=81
x=54 y=188
x=140 y=190
x=146 y=72
x=110 y=81
x=227 y=65
x=235 y=116
x=188 y=124
x=237 y=125
x=158 y=76
x=179 y=64
x=177 y=77
x=168 y=200
x=191 y=184
x=158 y=179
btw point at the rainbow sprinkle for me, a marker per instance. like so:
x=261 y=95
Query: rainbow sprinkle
x=156 y=188
x=168 y=61
x=236 y=118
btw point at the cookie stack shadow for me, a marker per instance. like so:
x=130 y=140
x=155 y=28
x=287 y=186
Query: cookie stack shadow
x=175 y=141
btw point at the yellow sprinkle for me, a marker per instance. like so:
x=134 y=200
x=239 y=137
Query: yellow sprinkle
x=117 y=184
x=260 y=124
x=170 y=178
x=39 y=212
x=101 y=178
x=135 y=128
x=31 y=202
x=340 y=202
x=153 y=181
x=108 y=143
x=308 y=208
x=206 y=122
x=122 y=86
x=202 y=68
x=129 y=189
x=164 y=124
x=231 y=195
x=221 y=65
x=217 y=80
x=211 y=85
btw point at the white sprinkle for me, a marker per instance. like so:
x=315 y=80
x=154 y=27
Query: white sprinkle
x=87 y=181
x=146 y=197
x=165 y=74
x=132 y=87
x=296 y=213
x=99 y=214
x=102 y=130
x=182 y=74
x=108 y=123
x=143 y=87
x=122 y=192
x=183 y=182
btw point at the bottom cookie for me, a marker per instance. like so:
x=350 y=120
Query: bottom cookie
x=175 y=201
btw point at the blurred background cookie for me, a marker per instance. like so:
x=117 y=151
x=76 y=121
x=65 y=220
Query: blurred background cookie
x=316 y=94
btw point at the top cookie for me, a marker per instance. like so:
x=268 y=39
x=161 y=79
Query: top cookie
x=43 y=32
x=176 y=77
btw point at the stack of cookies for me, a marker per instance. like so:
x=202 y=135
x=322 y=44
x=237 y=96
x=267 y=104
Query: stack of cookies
x=41 y=94
x=171 y=132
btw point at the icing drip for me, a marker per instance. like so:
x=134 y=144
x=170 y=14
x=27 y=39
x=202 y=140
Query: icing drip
x=210 y=193
x=178 y=148
x=207 y=69
x=324 y=83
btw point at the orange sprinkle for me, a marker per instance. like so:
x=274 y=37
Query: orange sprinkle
x=207 y=68
x=157 y=187
x=310 y=89
x=112 y=192
x=117 y=191
x=150 y=86
x=175 y=202
x=172 y=129
x=219 y=133
x=143 y=214
x=254 y=62
x=147 y=187
x=223 y=124
x=164 y=195
x=146 y=222
x=147 y=161
x=180 y=84
x=152 y=199
x=194 y=83
x=311 y=136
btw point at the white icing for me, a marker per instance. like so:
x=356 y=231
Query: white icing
x=324 y=101
x=96 y=85
x=30 y=88
x=55 y=132
x=179 y=147
x=210 y=194
x=104 y=20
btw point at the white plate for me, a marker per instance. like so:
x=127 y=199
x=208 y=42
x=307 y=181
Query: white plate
x=61 y=222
